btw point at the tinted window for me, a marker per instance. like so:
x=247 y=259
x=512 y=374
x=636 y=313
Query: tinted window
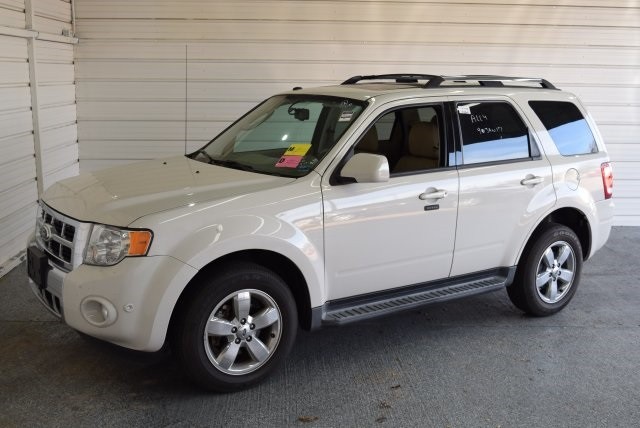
x=384 y=126
x=424 y=140
x=492 y=131
x=567 y=127
x=410 y=138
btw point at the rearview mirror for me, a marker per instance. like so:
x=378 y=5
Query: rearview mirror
x=301 y=114
x=366 y=168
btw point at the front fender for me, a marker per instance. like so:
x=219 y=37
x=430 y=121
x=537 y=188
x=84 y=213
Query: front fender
x=304 y=253
x=286 y=220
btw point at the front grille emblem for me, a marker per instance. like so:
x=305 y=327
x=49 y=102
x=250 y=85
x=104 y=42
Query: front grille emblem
x=46 y=233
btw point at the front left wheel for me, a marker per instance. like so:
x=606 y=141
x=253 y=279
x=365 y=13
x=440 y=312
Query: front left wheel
x=237 y=329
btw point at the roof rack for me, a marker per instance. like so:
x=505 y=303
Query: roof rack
x=434 y=81
x=399 y=78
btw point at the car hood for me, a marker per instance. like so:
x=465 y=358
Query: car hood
x=118 y=196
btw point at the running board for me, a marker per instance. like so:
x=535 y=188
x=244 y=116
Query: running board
x=356 y=309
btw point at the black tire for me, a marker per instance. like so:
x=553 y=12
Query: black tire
x=555 y=289
x=246 y=342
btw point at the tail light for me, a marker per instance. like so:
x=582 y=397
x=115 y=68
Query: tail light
x=607 y=179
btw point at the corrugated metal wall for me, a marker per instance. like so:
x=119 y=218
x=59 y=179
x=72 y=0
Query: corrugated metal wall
x=38 y=133
x=18 y=189
x=131 y=71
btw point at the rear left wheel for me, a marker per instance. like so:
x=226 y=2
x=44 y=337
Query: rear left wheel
x=548 y=273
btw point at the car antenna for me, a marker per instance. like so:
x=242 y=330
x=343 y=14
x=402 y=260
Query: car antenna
x=186 y=93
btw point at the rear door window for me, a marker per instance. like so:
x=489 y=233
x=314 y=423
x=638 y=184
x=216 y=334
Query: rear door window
x=491 y=132
x=567 y=127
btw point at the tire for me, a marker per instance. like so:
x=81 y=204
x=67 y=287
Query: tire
x=236 y=329
x=548 y=273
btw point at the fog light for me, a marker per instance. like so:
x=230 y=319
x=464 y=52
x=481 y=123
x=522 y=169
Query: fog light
x=98 y=311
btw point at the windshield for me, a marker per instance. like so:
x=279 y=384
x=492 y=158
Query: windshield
x=286 y=135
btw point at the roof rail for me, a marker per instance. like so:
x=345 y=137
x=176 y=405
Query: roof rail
x=399 y=78
x=491 y=80
x=434 y=81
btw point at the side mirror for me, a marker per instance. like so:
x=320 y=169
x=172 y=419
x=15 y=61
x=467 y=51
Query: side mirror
x=366 y=168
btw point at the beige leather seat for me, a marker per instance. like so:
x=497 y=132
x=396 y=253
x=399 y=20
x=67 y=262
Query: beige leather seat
x=369 y=142
x=424 y=148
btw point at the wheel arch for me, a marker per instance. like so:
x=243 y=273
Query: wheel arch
x=572 y=218
x=276 y=262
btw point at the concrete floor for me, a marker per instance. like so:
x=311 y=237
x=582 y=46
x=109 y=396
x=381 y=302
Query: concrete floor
x=477 y=362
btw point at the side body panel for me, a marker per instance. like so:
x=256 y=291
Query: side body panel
x=496 y=211
x=380 y=236
x=577 y=180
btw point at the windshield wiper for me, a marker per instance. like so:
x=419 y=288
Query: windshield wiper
x=241 y=166
x=231 y=164
x=224 y=162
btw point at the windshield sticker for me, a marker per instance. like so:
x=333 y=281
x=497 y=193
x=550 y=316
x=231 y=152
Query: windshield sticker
x=345 y=116
x=464 y=109
x=297 y=149
x=289 y=162
x=307 y=164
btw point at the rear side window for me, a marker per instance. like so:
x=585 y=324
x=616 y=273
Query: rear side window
x=567 y=127
x=492 y=131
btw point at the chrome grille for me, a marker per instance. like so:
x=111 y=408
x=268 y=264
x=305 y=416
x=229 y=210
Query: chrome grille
x=56 y=234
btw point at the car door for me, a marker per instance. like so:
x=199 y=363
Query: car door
x=505 y=184
x=380 y=236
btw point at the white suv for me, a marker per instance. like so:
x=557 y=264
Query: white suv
x=326 y=206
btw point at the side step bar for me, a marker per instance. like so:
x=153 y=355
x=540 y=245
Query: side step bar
x=369 y=306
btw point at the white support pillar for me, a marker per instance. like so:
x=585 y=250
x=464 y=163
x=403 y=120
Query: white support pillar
x=35 y=106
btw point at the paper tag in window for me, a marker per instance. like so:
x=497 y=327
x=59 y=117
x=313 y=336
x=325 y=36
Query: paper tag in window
x=464 y=109
x=345 y=116
x=289 y=161
x=307 y=164
x=297 y=149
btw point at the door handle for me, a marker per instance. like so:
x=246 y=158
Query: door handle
x=531 y=180
x=435 y=194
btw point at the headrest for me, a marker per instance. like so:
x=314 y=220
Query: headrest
x=369 y=142
x=424 y=140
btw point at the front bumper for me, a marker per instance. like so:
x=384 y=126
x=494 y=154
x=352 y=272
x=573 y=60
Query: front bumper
x=129 y=304
x=51 y=296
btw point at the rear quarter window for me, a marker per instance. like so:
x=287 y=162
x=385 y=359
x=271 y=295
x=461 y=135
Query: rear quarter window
x=567 y=127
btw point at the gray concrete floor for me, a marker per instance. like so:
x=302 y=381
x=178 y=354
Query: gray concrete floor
x=476 y=362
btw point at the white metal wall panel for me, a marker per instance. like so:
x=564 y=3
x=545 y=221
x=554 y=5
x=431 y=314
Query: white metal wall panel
x=12 y=14
x=51 y=16
x=56 y=93
x=131 y=64
x=25 y=103
x=18 y=190
x=12 y=18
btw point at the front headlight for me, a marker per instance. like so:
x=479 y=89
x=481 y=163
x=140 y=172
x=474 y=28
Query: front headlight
x=109 y=245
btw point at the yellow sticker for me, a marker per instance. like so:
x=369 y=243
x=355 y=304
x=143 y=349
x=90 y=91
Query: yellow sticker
x=297 y=149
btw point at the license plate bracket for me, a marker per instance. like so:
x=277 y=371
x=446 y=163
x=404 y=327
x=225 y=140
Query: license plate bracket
x=37 y=266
